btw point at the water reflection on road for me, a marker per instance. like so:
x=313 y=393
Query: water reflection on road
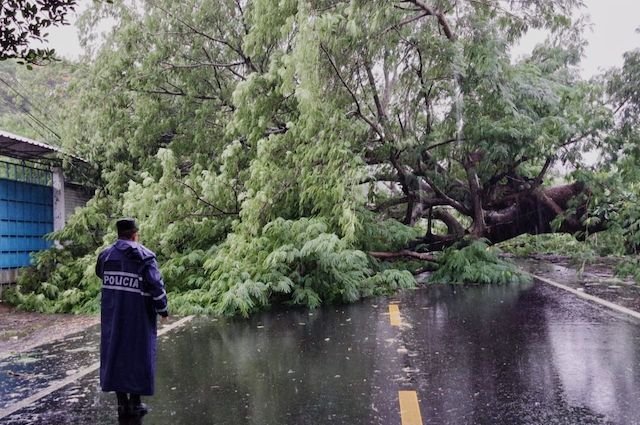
x=524 y=356
x=284 y=368
x=597 y=362
x=481 y=355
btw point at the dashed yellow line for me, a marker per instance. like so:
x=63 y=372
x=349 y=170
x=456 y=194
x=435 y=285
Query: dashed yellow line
x=394 y=315
x=409 y=408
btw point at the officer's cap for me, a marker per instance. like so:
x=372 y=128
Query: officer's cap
x=126 y=225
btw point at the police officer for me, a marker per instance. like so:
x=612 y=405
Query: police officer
x=133 y=295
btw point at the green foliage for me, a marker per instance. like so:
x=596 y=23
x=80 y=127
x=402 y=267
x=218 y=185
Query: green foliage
x=476 y=263
x=87 y=228
x=30 y=99
x=558 y=244
x=58 y=283
x=413 y=266
x=297 y=262
x=612 y=201
x=376 y=234
x=239 y=134
x=181 y=213
x=629 y=267
x=24 y=22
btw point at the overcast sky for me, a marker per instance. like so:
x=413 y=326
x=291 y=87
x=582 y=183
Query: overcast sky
x=614 y=24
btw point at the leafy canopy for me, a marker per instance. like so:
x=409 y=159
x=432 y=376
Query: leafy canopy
x=267 y=147
x=23 y=22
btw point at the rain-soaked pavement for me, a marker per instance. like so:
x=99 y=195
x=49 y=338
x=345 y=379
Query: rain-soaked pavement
x=528 y=354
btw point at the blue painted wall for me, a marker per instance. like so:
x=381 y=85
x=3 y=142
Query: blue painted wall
x=26 y=215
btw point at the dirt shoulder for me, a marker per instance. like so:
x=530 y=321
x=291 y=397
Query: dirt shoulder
x=596 y=278
x=21 y=331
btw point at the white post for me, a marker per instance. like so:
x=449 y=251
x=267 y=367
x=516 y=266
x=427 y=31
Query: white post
x=58 y=199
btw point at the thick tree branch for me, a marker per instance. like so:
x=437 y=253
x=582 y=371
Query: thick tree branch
x=403 y=253
x=237 y=50
x=475 y=191
x=540 y=177
x=382 y=115
x=454 y=228
x=390 y=203
x=405 y=22
x=553 y=206
x=352 y=94
x=164 y=91
x=529 y=212
x=446 y=199
x=203 y=65
x=429 y=11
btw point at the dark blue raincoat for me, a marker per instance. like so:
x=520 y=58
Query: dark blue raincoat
x=133 y=295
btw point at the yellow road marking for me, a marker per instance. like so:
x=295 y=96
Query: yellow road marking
x=409 y=408
x=394 y=315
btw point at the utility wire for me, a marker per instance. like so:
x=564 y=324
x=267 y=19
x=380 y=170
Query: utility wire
x=34 y=119
x=27 y=122
x=48 y=114
x=26 y=111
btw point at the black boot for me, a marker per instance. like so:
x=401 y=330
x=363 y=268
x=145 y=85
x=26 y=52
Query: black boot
x=136 y=407
x=123 y=405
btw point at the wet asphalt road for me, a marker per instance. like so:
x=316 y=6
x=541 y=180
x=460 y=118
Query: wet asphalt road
x=481 y=355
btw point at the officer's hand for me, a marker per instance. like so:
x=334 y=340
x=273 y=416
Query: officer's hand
x=164 y=320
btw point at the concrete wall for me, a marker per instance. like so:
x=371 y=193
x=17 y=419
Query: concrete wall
x=8 y=276
x=58 y=199
x=75 y=196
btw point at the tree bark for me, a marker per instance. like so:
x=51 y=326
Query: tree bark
x=479 y=224
x=530 y=212
x=402 y=254
x=533 y=214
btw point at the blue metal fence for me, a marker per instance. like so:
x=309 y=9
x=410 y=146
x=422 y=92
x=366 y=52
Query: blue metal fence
x=26 y=213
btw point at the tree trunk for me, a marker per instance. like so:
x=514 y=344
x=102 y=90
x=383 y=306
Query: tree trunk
x=531 y=212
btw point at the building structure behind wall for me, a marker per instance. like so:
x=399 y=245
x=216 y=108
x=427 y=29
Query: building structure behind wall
x=35 y=200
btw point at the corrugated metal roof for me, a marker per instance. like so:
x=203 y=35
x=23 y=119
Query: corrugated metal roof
x=21 y=147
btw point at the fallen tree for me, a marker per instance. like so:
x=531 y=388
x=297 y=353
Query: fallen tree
x=245 y=156
x=530 y=212
x=483 y=167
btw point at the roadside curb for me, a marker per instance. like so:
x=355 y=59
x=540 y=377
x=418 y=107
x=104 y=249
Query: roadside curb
x=588 y=297
x=56 y=385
